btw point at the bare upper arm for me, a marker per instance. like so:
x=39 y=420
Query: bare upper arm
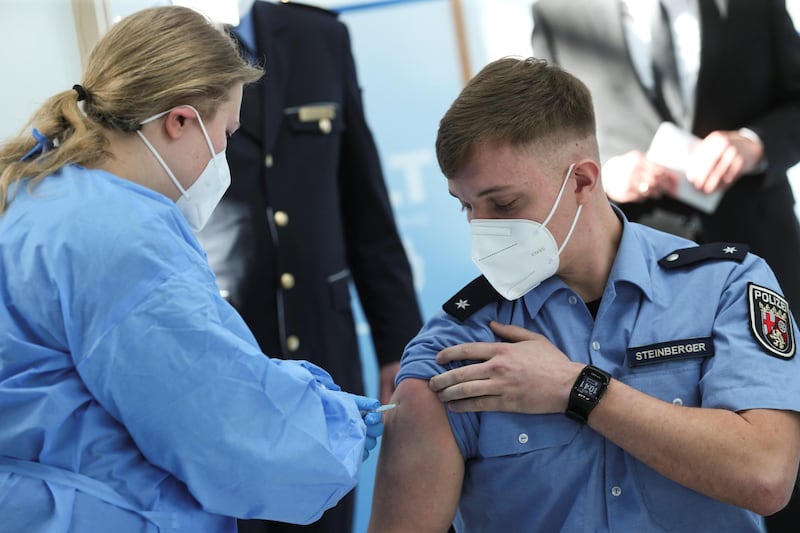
x=420 y=467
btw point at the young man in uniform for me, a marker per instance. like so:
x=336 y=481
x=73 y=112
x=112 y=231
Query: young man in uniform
x=601 y=375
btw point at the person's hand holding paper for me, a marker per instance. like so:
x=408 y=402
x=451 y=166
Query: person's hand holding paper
x=687 y=155
x=632 y=177
x=722 y=157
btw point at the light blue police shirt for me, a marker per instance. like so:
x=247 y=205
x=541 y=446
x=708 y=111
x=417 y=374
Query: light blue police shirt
x=132 y=396
x=546 y=473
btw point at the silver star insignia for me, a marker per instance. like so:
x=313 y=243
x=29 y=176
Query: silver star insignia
x=462 y=304
x=729 y=250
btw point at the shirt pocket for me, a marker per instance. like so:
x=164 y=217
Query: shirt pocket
x=677 y=508
x=540 y=437
x=677 y=382
x=319 y=118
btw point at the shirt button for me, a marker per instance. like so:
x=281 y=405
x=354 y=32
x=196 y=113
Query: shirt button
x=522 y=438
x=677 y=401
x=292 y=343
x=616 y=491
x=287 y=280
x=269 y=161
x=595 y=345
x=325 y=125
x=573 y=300
x=281 y=218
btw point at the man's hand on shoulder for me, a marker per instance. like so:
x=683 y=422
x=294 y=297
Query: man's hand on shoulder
x=528 y=374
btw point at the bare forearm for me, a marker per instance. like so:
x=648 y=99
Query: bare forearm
x=732 y=457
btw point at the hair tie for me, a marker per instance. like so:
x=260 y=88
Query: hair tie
x=82 y=94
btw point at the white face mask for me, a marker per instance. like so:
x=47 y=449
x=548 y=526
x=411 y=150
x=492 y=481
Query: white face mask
x=201 y=198
x=516 y=255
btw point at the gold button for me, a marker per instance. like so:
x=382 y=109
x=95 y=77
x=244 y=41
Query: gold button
x=268 y=161
x=281 y=218
x=287 y=281
x=292 y=343
x=325 y=125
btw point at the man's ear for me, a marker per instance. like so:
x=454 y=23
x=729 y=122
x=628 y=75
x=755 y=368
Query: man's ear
x=587 y=176
x=175 y=121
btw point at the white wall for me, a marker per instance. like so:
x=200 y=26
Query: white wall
x=38 y=57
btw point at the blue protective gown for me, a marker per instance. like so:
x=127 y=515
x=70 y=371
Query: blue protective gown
x=132 y=396
x=546 y=473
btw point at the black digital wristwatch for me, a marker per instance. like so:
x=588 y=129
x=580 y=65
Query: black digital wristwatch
x=586 y=392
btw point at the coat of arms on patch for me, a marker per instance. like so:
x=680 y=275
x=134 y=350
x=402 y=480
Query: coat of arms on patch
x=771 y=321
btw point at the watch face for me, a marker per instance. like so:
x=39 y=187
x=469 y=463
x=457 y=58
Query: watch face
x=589 y=386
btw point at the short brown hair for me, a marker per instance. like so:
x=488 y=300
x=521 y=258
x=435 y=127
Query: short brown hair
x=518 y=102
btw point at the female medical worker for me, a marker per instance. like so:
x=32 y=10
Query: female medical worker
x=132 y=397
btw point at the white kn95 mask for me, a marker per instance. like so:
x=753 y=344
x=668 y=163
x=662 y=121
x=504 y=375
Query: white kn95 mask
x=516 y=255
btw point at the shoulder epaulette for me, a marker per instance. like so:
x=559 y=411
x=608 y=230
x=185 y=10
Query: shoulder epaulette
x=471 y=298
x=314 y=8
x=727 y=251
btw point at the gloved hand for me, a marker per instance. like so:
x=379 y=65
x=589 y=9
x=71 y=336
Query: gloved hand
x=374 y=422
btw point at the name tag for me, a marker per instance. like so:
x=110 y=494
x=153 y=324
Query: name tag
x=670 y=351
x=316 y=112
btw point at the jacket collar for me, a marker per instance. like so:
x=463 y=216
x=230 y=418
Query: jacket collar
x=262 y=102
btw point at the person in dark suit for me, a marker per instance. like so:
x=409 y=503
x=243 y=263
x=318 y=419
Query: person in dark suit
x=308 y=213
x=738 y=89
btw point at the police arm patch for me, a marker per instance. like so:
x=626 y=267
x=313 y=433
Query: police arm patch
x=771 y=321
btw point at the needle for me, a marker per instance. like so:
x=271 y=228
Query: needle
x=380 y=409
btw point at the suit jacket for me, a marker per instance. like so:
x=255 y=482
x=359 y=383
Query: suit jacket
x=308 y=210
x=749 y=77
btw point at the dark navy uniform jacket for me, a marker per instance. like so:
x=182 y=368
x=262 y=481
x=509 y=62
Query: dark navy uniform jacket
x=308 y=210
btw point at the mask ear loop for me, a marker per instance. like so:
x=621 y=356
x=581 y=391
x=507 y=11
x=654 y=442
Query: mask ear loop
x=161 y=161
x=577 y=213
x=571 y=228
x=555 y=206
x=558 y=198
x=205 y=132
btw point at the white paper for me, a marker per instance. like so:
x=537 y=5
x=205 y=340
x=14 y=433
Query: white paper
x=671 y=147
